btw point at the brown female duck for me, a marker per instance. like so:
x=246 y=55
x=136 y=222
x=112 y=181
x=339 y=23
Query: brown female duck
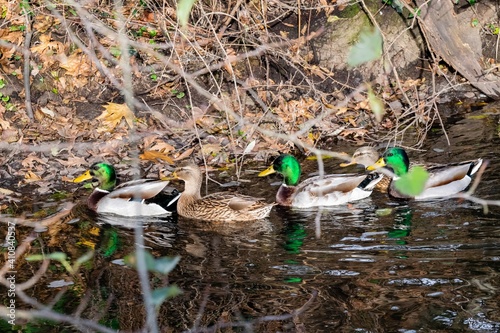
x=222 y=206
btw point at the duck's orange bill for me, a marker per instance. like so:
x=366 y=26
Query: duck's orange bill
x=380 y=163
x=84 y=176
x=343 y=165
x=268 y=171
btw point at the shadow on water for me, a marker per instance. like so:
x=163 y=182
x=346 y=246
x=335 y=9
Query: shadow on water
x=372 y=266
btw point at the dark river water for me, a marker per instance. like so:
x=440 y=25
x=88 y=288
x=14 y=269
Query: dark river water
x=373 y=266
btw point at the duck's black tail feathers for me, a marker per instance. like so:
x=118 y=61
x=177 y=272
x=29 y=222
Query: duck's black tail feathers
x=370 y=181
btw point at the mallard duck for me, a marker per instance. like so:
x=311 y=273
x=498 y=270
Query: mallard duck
x=222 y=206
x=327 y=190
x=444 y=180
x=363 y=156
x=140 y=197
x=367 y=156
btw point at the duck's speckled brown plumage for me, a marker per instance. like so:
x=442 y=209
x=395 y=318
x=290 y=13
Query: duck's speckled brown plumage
x=367 y=156
x=383 y=185
x=222 y=206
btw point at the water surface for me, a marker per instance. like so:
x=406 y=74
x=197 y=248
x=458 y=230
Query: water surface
x=372 y=266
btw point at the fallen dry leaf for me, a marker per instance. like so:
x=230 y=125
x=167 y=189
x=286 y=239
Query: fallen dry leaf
x=15 y=37
x=67 y=179
x=31 y=177
x=47 y=49
x=211 y=149
x=4 y=124
x=154 y=155
x=42 y=23
x=76 y=64
x=113 y=114
x=6 y=191
x=149 y=140
x=30 y=161
x=163 y=146
x=356 y=131
x=48 y=112
x=73 y=161
x=9 y=135
x=184 y=155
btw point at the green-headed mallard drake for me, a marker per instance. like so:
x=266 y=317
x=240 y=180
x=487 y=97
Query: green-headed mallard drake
x=140 y=197
x=444 y=180
x=327 y=190
x=222 y=206
x=367 y=156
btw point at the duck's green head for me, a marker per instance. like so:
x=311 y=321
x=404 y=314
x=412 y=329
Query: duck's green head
x=396 y=159
x=286 y=165
x=101 y=173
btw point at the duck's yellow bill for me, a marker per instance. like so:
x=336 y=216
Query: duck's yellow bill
x=315 y=157
x=268 y=171
x=84 y=176
x=380 y=163
x=173 y=176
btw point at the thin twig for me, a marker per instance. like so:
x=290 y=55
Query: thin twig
x=469 y=194
x=250 y=323
x=58 y=317
x=26 y=69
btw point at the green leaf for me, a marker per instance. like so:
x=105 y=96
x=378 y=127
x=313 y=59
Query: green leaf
x=59 y=256
x=161 y=294
x=35 y=257
x=115 y=51
x=163 y=265
x=376 y=105
x=397 y=5
x=412 y=183
x=367 y=49
x=383 y=212
x=416 y=12
x=84 y=258
x=131 y=260
x=183 y=10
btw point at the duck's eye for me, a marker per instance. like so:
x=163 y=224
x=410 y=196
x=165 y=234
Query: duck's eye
x=389 y=155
